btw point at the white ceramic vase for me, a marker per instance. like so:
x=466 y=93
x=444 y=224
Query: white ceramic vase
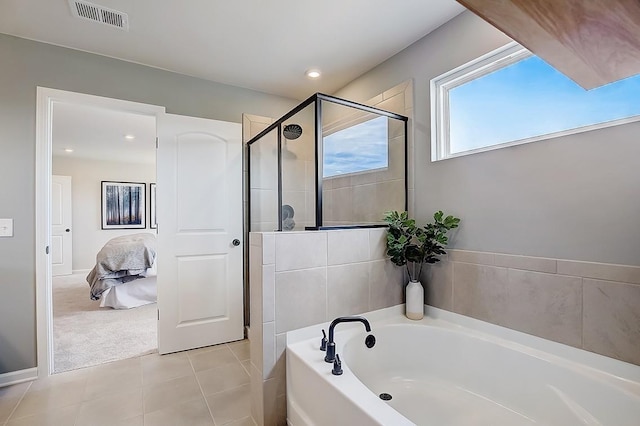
x=414 y=296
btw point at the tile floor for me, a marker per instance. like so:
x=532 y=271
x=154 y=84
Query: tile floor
x=207 y=386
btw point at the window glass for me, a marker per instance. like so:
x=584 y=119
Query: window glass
x=521 y=100
x=358 y=148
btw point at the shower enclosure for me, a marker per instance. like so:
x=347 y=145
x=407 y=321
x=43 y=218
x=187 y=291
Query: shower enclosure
x=327 y=163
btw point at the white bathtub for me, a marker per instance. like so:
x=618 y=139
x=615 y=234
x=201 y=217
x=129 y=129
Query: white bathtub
x=453 y=370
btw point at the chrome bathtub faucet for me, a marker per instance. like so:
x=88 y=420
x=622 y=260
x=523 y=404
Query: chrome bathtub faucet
x=331 y=345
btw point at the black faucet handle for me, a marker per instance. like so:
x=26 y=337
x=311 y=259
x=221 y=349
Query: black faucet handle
x=331 y=352
x=323 y=343
x=337 y=366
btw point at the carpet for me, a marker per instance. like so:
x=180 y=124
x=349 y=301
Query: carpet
x=84 y=334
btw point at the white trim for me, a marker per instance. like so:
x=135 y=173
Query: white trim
x=46 y=98
x=581 y=129
x=440 y=86
x=15 y=377
x=80 y=271
x=499 y=58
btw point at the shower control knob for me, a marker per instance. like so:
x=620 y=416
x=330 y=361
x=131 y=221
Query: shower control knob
x=236 y=242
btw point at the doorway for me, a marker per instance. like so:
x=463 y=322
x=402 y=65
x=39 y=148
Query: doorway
x=97 y=154
x=89 y=139
x=184 y=324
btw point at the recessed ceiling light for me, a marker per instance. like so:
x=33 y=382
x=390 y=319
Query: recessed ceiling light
x=313 y=74
x=68 y=150
x=129 y=137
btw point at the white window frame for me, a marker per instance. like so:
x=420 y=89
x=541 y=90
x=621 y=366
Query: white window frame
x=492 y=61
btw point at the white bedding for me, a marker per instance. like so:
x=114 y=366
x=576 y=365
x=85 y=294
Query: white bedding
x=132 y=294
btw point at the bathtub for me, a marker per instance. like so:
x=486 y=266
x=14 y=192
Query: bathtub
x=448 y=369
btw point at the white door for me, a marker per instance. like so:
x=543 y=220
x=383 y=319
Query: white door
x=61 y=234
x=199 y=211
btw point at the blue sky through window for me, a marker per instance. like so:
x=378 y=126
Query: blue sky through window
x=357 y=148
x=530 y=98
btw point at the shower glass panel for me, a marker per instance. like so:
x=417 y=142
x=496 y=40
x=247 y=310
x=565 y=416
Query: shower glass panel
x=363 y=165
x=263 y=183
x=327 y=163
x=298 y=171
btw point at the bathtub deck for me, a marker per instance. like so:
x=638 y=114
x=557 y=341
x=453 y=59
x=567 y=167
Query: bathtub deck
x=435 y=402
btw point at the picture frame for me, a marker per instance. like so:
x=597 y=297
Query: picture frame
x=123 y=205
x=153 y=220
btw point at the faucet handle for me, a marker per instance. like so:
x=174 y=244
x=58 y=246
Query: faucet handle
x=337 y=366
x=331 y=352
x=323 y=343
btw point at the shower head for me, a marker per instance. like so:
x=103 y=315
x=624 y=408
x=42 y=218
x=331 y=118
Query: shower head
x=292 y=131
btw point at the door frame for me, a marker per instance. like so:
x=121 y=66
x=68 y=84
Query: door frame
x=46 y=98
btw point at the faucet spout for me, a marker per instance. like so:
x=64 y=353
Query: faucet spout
x=331 y=345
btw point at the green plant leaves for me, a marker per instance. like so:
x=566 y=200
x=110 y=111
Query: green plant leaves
x=407 y=242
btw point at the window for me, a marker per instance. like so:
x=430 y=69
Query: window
x=511 y=96
x=358 y=148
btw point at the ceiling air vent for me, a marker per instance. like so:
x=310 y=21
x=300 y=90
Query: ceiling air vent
x=100 y=14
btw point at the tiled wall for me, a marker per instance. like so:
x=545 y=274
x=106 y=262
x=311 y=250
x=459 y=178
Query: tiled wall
x=264 y=166
x=299 y=279
x=364 y=197
x=593 y=306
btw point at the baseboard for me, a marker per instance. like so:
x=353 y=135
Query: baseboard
x=19 y=376
x=80 y=271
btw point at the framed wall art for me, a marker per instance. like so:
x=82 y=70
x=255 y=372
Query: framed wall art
x=123 y=205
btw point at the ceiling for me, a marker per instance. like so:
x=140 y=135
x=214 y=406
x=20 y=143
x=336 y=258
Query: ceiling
x=256 y=44
x=99 y=134
x=266 y=46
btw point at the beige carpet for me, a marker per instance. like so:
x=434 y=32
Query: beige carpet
x=85 y=334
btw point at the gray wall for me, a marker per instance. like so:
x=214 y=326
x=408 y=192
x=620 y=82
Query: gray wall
x=27 y=64
x=86 y=202
x=575 y=197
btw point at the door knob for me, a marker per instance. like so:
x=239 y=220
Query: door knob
x=236 y=242
x=67 y=230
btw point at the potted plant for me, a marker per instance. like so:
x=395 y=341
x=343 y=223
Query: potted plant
x=413 y=246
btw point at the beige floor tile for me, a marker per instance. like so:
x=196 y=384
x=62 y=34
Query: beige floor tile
x=133 y=421
x=103 y=384
x=160 y=368
x=222 y=378
x=230 y=405
x=58 y=417
x=7 y=405
x=41 y=401
x=247 y=421
x=190 y=413
x=240 y=349
x=204 y=349
x=108 y=410
x=171 y=392
x=14 y=391
x=212 y=359
x=125 y=366
x=76 y=376
x=247 y=366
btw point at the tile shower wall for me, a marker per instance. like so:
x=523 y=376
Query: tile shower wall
x=592 y=306
x=299 y=279
x=298 y=172
x=264 y=167
x=363 y=197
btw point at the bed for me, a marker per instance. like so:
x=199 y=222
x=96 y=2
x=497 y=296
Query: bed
x=124 y=276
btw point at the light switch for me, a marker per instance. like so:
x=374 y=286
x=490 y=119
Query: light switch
x=6 y=227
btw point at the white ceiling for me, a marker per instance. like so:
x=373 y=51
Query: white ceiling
x=98 y=134
x=257 y=44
